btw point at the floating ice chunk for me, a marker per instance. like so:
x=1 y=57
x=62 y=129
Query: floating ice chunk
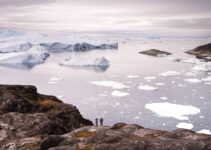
x=119 y=94
x=208 y=79
x=185 y=125
x=205 y=67
x=192 y=80
x=34 y=55
x=16 y=48
x=204 y=131
x=150 y=78
x=79 y=61
x=60 y=96
x=176 y=111
x=147 y=88
x=113 y=84
x=55 y=80
x=191 y=74
x=202 y=97
x=170 y=73
x=164 y=98
x=174 y=59
x=131 y=76
x=192 y=61
x=160 y=84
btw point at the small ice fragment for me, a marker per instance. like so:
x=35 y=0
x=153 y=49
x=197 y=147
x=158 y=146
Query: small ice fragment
x=113 y=84
x=201 y=97
x=170 y=74
x=185 y=125
x=147 y=88
x=55 y=80
x=164 y=98
x=119 y=94
x=159 y=83
x=208 y=79
x=204 y=131
x=150 y=78
x=192 y=80
x=60 y=96
x=131 y=76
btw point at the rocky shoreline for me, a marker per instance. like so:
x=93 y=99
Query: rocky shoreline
x=29 y=120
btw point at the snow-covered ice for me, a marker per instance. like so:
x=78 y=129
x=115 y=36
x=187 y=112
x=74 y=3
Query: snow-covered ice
x=170 y=74
x=147 y=87
x=176 y=111
x=119 y=94
x=185 y=125
x=113 y=84
x=208 y=79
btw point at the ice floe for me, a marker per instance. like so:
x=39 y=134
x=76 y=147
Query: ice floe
x=208 y=79
x=16 y=48
x=204 y=131
x=159 y=84
x=192 y=80
x=163 y=98
x=176 y=111
x=205 y=67
x=119 y=94
x=147 y=87
x=150 y=78
x=55 y=80
x=170 y=74
x=185 y=125
x=132 y=76
x=113 y=84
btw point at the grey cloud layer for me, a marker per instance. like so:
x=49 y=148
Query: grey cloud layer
x=189 y=15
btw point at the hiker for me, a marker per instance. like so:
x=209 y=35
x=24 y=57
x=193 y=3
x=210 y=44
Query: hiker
x=101 y=121
x=96 y=122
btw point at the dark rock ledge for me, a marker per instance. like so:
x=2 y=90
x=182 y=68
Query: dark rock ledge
x=29 y=120
x=202 y=52
x=155 y=52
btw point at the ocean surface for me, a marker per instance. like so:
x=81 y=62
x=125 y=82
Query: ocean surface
x=155 y=92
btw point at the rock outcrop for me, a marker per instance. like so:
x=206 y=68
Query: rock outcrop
x=155 y=52
x=202 y=52
x=127 y=137
x=32 y=121
x=26 y=117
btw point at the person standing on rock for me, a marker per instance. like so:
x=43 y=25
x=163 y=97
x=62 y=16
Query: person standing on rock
x=96 y=122
x=101 y=121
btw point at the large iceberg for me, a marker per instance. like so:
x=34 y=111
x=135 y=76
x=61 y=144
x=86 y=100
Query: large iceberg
x=79 y=47
x=33 y=56
x=101 y=63
x=16 y=48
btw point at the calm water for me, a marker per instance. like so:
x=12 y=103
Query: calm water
x=97 y=101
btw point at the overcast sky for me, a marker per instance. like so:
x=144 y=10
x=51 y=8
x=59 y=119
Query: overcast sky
x=159 y=17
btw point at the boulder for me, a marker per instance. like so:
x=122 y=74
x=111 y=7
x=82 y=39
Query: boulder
x=202 y=52
x=155 y=52
x=30 y=116
x=122 y=136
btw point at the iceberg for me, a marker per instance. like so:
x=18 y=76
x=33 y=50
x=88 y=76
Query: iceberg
x=78 y=47
x=79 y=62
x=8 y=33
x=57 y=47
x=35 y=55
x=16 y=48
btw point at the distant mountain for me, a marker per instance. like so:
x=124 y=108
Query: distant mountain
x=9 y=32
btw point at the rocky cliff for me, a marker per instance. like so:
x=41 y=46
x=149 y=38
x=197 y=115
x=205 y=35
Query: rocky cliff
x=33 y=121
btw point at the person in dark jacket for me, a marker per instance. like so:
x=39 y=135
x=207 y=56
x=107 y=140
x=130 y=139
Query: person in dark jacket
x=101 y=121
x=96 y=122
